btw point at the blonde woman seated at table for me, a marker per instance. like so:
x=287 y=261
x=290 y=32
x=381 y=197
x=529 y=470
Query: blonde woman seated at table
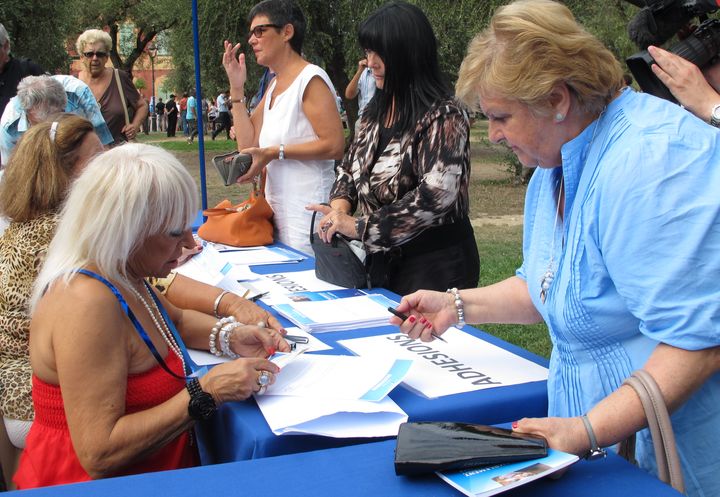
x=109 y=386
x=621 y=248
x=35 y=184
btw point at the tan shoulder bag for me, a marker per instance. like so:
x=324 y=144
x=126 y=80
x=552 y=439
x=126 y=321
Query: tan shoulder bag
x=666 y=456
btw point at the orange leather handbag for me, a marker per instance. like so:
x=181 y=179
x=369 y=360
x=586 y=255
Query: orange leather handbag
x=244 y=225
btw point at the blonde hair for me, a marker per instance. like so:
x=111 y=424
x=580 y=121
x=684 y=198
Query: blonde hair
x=530 y=47
x=93 y=36
x=123 y=196
x=40 y=169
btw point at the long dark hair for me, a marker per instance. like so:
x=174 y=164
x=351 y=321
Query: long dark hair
x=402 y=36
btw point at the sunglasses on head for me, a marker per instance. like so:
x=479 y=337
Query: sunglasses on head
x=258 y=30
x=90 y=55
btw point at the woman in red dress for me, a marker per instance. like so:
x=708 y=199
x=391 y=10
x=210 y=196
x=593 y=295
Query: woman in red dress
x=111 y=386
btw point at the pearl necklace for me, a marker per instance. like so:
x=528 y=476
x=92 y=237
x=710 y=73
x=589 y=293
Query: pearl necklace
x=160 y=324
x=549 y=275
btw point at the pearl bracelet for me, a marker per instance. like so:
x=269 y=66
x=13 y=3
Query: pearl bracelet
x=214 y=334
x=459 y=306
x=225 y=333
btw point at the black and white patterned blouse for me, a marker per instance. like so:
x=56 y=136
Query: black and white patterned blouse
x=419 y=181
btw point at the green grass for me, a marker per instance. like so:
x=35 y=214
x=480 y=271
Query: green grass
x=500 y=249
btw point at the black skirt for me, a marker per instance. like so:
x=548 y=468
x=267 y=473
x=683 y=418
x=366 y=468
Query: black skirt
x=437 y=259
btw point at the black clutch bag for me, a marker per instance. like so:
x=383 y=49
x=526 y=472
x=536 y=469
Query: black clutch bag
x=232 y=165
x=443 y=446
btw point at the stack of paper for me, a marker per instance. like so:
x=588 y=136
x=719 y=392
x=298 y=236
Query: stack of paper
x=334 y=396
x=338 y=314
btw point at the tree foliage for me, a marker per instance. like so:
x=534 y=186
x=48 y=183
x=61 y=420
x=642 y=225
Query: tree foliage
x=38 y=31
x=331 y=39
x=149 y=18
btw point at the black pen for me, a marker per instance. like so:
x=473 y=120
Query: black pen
x=258 y=297
x=404 y=317
x=297 y=338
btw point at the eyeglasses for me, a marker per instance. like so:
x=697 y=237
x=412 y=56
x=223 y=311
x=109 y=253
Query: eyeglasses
x=90 y=55
x=258 y=30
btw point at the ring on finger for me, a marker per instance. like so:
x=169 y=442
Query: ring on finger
x=263 y=380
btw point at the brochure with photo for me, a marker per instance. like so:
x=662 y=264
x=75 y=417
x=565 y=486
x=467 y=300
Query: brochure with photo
x=492 y=480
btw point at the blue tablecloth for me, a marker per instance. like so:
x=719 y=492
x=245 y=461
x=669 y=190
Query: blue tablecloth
x=360 y=470
x=239 y=431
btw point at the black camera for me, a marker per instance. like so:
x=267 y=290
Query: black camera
x=656 y=23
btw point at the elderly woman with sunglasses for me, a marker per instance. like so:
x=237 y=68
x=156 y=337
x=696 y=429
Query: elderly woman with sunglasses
x=295 y=132
x=94 y=48
x=621 y=249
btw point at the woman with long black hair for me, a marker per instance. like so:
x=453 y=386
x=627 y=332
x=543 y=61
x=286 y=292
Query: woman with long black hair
x=406 y=174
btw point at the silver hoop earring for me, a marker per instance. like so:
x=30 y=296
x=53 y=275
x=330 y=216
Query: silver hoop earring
x=559 y=117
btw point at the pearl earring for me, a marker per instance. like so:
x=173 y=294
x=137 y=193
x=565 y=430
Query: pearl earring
x=559 y=117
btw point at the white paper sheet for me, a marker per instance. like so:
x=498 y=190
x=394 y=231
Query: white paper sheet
x=263 y=255
x=463 y=364
x=333 y=377
x=337 y=419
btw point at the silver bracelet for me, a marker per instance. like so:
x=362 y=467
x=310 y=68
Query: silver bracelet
x=213 y=346
x=595 y=452
x=459 y=306
x=217 y=303
x=226 y=332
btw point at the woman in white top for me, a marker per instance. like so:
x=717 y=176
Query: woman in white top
x=295 y=132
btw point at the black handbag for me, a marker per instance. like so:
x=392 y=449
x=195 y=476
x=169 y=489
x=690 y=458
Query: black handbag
x=441 y=446
x=336 y=263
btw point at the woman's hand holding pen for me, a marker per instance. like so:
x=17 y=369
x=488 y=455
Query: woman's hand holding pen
x=434 y=312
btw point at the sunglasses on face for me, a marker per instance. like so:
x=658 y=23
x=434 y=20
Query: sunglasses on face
x=260 y=29
x=90 y=55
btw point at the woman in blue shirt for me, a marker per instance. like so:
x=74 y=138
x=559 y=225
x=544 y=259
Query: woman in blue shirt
x=621 y=238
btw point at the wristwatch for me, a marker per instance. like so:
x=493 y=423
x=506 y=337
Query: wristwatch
x=715 y=116
x=202 y=405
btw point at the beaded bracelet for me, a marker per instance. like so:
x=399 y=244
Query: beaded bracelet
x=214 y=333
x=225 y=333
x=217 y=303
x=459 y=306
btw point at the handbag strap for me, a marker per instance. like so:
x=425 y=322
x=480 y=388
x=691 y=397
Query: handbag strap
x=663 y=438
x=122 y=96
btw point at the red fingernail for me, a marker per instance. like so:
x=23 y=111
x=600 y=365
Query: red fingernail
x=271 y=350
x=428 y=325
x=412 y=319
x=423 y=320
x=515 y=425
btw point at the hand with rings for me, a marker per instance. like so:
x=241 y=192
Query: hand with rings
x=239 y=379
x=264 y=380
x=333 y=221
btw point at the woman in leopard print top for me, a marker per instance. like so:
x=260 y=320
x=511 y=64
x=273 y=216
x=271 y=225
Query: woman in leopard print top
x=406 y=174
x=38 y=175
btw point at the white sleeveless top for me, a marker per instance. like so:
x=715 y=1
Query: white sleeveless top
x=292 y=184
